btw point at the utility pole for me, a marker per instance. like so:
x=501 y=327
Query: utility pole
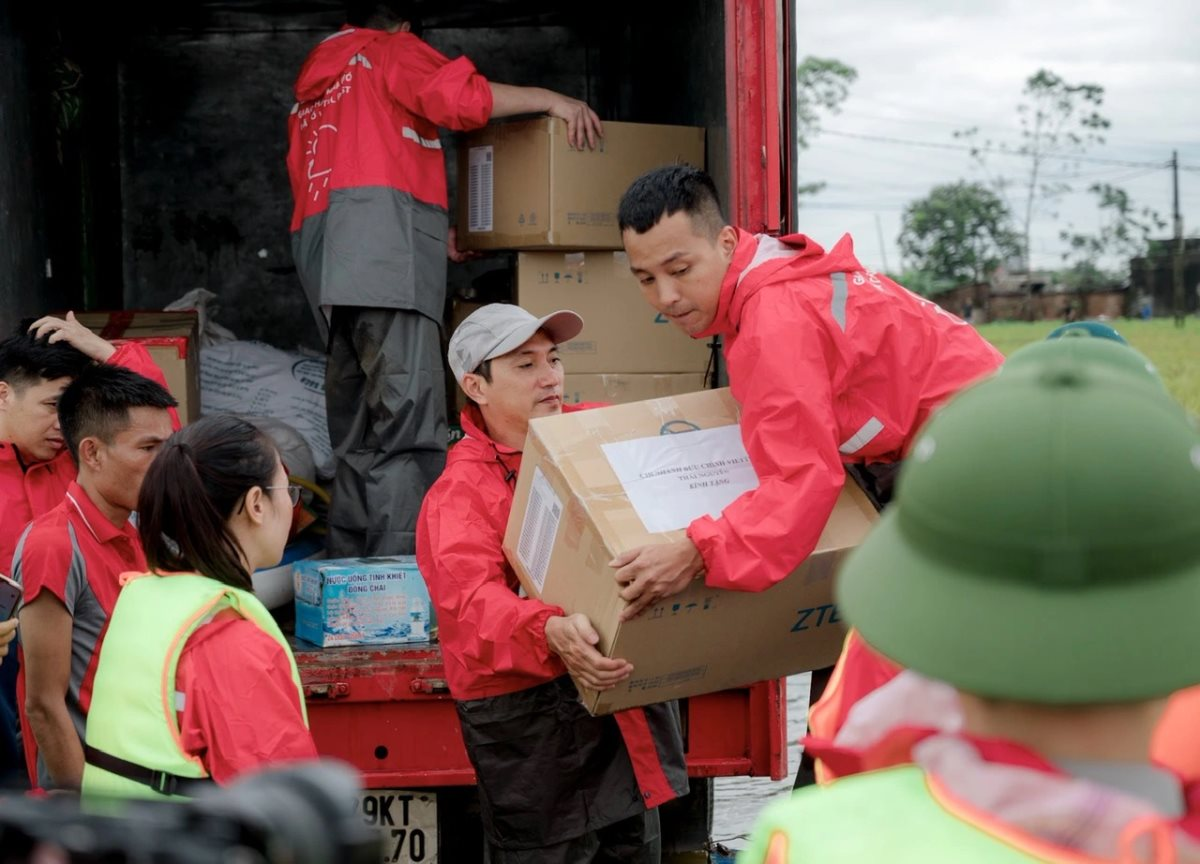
x=1177 y=298
x=883 y=249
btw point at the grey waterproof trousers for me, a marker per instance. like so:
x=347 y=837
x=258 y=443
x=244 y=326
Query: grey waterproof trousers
x=386 y=397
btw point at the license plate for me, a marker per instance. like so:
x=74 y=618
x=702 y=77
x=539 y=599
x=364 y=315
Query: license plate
x=406 y=820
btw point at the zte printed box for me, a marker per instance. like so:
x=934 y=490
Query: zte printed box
x=522 y=186
x=361 y=601
x=169 y=337
x=596 y=483
x=618 y=389
x=621 y=331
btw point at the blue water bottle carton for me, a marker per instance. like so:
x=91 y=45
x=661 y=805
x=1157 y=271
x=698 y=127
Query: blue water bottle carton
x=362 y=601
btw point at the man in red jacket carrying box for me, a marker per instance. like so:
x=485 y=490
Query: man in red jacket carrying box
x=556 y=785
x=831 y=363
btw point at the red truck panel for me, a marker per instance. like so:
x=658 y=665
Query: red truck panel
x=755 y=39
x=386 y=711
x=753 y=78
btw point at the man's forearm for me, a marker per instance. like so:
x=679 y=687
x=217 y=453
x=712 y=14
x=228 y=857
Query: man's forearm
x=508 y=100
x=58 y=744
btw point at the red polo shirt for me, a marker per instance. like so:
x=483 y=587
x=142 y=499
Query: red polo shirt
x=78 y=555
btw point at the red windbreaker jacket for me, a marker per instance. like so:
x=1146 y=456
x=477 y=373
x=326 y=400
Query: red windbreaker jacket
x=830 y=363
x=367 y=171
x=493 y=641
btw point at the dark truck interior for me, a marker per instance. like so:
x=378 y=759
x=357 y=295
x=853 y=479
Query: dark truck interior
x=157 y=157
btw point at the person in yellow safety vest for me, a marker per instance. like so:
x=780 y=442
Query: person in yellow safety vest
x=195 y=683
x=1041 y=562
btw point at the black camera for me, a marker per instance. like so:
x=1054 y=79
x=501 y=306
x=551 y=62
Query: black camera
x=303 y=813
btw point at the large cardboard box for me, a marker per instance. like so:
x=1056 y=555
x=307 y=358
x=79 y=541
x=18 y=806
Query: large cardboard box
x=522 y=186
x=619 y=389
x=596 y=483
x=361 y=601
x=621 y=331
x=172 y=340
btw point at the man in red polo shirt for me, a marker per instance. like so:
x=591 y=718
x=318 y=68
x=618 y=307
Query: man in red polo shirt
x=70 y=559
x=36 y=364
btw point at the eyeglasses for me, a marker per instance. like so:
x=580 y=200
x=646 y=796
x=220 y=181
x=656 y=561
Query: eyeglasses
x=292 y=489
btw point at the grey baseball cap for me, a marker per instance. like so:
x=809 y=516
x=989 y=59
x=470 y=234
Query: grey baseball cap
x=497 y=328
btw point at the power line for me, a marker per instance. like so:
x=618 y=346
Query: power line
x=922 y=116
x=938 y=145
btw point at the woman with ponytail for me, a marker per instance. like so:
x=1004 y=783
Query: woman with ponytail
x=195 y=683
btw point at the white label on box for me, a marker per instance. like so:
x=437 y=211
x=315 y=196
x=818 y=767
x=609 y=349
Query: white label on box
x=479 y=189
x=672 y=479
x=542 y=514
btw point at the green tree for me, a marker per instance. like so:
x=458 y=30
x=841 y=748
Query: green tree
x=960 y=231
x=922 y=282
x=822 y=85
x=1059 y=122
x=1124 y=231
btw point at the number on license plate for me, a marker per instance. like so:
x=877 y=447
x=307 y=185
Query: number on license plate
x=407 y=822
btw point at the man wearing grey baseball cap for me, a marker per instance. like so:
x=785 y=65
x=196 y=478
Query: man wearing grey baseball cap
x=556 y=784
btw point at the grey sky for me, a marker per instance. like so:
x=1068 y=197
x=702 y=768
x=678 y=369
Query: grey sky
x=928 y=67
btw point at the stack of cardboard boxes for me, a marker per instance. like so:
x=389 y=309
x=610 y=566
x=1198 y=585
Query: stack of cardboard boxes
x=523 y=188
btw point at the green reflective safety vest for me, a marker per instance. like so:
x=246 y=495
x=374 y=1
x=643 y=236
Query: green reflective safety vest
x=883 y=816
x=134 y=701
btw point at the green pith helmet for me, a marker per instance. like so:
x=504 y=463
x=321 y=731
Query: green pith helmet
x=1088 y=352
x=1098 y=329
x=1045 y=542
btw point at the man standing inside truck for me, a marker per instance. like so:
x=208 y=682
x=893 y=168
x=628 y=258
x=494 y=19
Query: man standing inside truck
x=370 y=238
x=555 y=784
x=831 y=364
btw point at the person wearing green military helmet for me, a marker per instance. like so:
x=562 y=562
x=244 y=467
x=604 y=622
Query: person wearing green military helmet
x=1117 y=356
x=1097 y=329
x=836 y=717
x=1041 y=568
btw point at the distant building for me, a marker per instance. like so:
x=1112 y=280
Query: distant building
x=1013 y=296
x=1153 y=276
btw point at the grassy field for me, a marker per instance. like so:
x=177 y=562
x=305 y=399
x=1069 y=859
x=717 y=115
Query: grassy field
x=1176 y=352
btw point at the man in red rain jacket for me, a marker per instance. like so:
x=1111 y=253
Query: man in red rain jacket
x=370 y=238
x=831 y=364
x=556 y=784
